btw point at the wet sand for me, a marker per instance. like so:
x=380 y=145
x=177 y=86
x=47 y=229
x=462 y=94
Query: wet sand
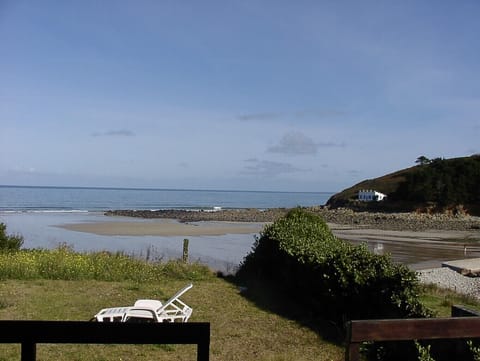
x=372 y=234
x=164 y=228
x=418 y=249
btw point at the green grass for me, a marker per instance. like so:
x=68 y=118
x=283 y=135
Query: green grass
x=65 y=264
x=63 y=285
x=239 y=329
x=441 y=300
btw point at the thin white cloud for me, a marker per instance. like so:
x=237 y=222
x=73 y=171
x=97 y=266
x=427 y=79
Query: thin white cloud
x=300 y=114
x=114 y=133
x=297 y=143
x=268 y=168
x=259 y=116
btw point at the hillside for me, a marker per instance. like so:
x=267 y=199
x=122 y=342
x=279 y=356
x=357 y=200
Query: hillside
x=436 y=185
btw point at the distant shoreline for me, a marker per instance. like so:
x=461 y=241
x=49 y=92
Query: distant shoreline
x=382 y=221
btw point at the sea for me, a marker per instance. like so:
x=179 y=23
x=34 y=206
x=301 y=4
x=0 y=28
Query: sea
x=37 y=212
x=80 y=199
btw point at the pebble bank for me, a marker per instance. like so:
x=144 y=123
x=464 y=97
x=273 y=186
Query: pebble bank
x=445 y=277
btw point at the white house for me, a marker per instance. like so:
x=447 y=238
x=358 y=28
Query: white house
x=369 y=195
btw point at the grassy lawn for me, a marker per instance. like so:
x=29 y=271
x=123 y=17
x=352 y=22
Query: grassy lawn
x=239 y=329
x=441 y=300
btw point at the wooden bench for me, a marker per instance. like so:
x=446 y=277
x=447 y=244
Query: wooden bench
x=411 y=329
x=31 y=333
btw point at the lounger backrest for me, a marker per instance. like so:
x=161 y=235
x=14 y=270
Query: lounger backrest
x=176 y=296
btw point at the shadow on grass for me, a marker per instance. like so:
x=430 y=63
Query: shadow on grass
x=275 y=300
x=272 y=298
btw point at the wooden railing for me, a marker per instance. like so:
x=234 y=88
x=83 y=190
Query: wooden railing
x=411 y=329
x=31 y=333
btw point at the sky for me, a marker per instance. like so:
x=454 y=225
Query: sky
x=234 y=95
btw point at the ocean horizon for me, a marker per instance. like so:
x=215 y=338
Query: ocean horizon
x=14 y=198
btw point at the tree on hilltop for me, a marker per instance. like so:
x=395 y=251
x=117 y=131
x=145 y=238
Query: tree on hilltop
x=422 y=160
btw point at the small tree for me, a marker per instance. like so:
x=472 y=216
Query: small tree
x=9 y=242
x=422 y=160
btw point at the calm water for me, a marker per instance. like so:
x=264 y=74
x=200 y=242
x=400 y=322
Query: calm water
x=35 y=213
x=40 y=231
x=31 y=199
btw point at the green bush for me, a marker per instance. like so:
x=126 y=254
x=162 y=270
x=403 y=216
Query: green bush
x=331 y=278
x=9 y=242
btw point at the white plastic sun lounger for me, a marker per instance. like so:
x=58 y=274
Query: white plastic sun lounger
x=149 y=311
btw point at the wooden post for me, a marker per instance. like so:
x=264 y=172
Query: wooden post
x=29 y=351
x=185 y=251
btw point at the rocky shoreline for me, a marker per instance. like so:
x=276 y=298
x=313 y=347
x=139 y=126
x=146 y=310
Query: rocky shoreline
x=227 y=215
x=385 y=221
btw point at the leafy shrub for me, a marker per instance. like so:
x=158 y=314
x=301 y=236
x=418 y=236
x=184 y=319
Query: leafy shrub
x=331 y=278
x=9 y=242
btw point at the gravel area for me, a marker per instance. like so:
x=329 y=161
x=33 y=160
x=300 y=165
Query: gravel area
x=445 y=277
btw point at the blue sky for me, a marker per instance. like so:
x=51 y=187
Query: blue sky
x=241 y=95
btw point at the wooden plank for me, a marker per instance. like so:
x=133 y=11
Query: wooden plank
x=103 y=332
x=30 y=333
x=412 y=329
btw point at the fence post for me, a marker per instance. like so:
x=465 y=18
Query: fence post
x=29 y=351
x=185 y=251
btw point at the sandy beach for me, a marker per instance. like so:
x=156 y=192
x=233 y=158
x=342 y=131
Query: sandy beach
x=164 y=228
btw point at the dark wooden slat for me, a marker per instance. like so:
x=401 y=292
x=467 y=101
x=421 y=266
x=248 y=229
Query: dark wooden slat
x=102 y=332
x=411 y=329
x=30 y=333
